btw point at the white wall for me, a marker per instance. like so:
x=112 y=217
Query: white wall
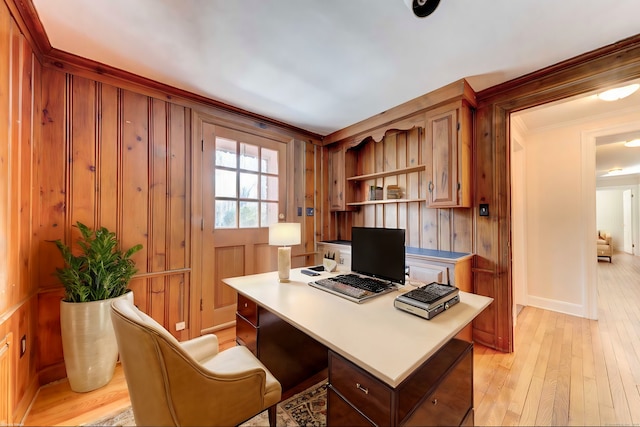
x=556 y=199
x=609 y=212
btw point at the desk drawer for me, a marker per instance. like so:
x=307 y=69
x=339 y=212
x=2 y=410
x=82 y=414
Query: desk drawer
x=451 y=402
x=248 y=309
x=340 y=413
x=363 y=391
x=246 y=334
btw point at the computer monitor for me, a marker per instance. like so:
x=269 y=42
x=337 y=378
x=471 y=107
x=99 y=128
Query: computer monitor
x=378 y=252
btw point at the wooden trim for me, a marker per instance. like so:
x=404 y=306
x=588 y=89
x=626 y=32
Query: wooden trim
x=614 y=63
x=389 y=119
x=73 y=64
x=30 y=25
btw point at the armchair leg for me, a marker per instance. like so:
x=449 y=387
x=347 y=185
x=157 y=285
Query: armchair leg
x=272 y=415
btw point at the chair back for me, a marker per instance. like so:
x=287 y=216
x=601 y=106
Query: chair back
x=140 y=343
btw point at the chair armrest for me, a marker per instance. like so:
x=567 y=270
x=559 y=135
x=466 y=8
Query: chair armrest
x=202 y=347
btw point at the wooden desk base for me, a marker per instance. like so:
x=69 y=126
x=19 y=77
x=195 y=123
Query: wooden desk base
x=440 y=392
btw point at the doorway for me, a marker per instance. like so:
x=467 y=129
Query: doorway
x=553 y=229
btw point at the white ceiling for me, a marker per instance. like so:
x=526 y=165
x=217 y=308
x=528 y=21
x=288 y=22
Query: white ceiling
x=324 y=65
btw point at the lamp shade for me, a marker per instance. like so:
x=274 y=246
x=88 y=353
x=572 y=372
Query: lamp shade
x=284 y=234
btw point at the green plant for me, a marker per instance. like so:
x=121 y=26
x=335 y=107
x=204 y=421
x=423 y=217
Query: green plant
x=101 y=271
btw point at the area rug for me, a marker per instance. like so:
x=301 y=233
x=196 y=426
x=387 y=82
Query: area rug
x=308 y=408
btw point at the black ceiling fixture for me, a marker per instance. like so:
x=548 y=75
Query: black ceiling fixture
x=422 y=8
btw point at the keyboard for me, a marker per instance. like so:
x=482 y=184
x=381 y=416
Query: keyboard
x=353 y=287
x=366 y=283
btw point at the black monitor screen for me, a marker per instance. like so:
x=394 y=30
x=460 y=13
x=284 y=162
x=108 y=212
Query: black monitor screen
x=378 y=252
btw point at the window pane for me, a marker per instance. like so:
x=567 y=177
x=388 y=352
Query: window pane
x=248 y=186
x=269 y=188
x=248 y=214
x=225 y=183
x=225 y=214
x=269 y=161
x=268 y=214
x=226 y=152
x=249 y=157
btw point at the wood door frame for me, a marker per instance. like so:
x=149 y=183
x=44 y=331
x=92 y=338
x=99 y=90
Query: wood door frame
x=604 y=67
x=197 y=216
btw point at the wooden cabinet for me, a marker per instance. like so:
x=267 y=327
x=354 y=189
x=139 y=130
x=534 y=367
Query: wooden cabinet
x=342 y=164
x=440 y=392
x=447 y=147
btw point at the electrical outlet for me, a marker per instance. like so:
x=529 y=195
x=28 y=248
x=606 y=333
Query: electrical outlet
x=180 y=326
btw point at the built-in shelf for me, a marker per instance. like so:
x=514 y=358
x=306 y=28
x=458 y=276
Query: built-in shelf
x=384 y=201
x=419 y=168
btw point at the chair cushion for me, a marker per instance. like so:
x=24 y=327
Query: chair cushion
x=238 y=359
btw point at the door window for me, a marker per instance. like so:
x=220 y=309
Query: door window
x=246 y=184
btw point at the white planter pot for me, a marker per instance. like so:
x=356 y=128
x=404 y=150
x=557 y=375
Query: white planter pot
x=89 y=343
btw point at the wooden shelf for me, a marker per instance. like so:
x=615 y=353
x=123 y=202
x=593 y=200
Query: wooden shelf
x=385 y=201
x=419 y=168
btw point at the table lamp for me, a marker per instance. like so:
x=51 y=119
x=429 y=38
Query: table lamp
x=284 y=234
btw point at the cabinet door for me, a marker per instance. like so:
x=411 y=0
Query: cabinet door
x=441 y=150
x=341 y=166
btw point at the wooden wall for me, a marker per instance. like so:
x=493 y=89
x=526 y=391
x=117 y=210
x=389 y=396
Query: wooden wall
x=119 y=159
x=98 y=145
x=19 y=86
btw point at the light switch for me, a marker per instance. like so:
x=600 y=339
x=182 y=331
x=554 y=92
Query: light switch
x=484 y=209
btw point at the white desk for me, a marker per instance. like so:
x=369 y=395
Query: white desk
x=384 y=341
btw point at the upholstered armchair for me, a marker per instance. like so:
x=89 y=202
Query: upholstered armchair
x=605 y=246
x=190 y=383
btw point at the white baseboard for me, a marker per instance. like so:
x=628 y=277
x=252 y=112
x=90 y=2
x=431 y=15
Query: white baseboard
x=555 y=305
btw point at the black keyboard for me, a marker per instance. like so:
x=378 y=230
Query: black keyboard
x=366 y=283
x=353 y=287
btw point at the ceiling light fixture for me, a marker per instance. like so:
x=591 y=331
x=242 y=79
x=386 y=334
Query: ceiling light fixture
x=618 y=93
x=614 y=171
x=633 y=143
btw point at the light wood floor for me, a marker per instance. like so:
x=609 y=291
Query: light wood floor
x=565 y=370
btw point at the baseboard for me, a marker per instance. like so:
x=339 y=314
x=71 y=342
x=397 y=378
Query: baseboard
x=555 y=305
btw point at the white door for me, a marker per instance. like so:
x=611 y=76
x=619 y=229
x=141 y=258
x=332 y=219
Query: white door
x=627 y=225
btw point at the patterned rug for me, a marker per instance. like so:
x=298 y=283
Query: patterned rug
x=308 y=408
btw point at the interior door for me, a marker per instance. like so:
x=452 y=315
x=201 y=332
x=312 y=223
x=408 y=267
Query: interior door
x=626 y=221
x=243 y=180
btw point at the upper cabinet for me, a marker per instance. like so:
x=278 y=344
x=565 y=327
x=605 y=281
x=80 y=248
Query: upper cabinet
x=422 y=148
x=447 y=149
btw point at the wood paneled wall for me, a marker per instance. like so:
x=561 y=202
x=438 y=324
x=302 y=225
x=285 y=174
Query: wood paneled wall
x=94 y=144
x=116 y=158
x=19 y=87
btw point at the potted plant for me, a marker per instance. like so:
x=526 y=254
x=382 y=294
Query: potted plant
x=92 y=279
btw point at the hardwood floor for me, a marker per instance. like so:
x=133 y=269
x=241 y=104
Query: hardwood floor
x=565 y=370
